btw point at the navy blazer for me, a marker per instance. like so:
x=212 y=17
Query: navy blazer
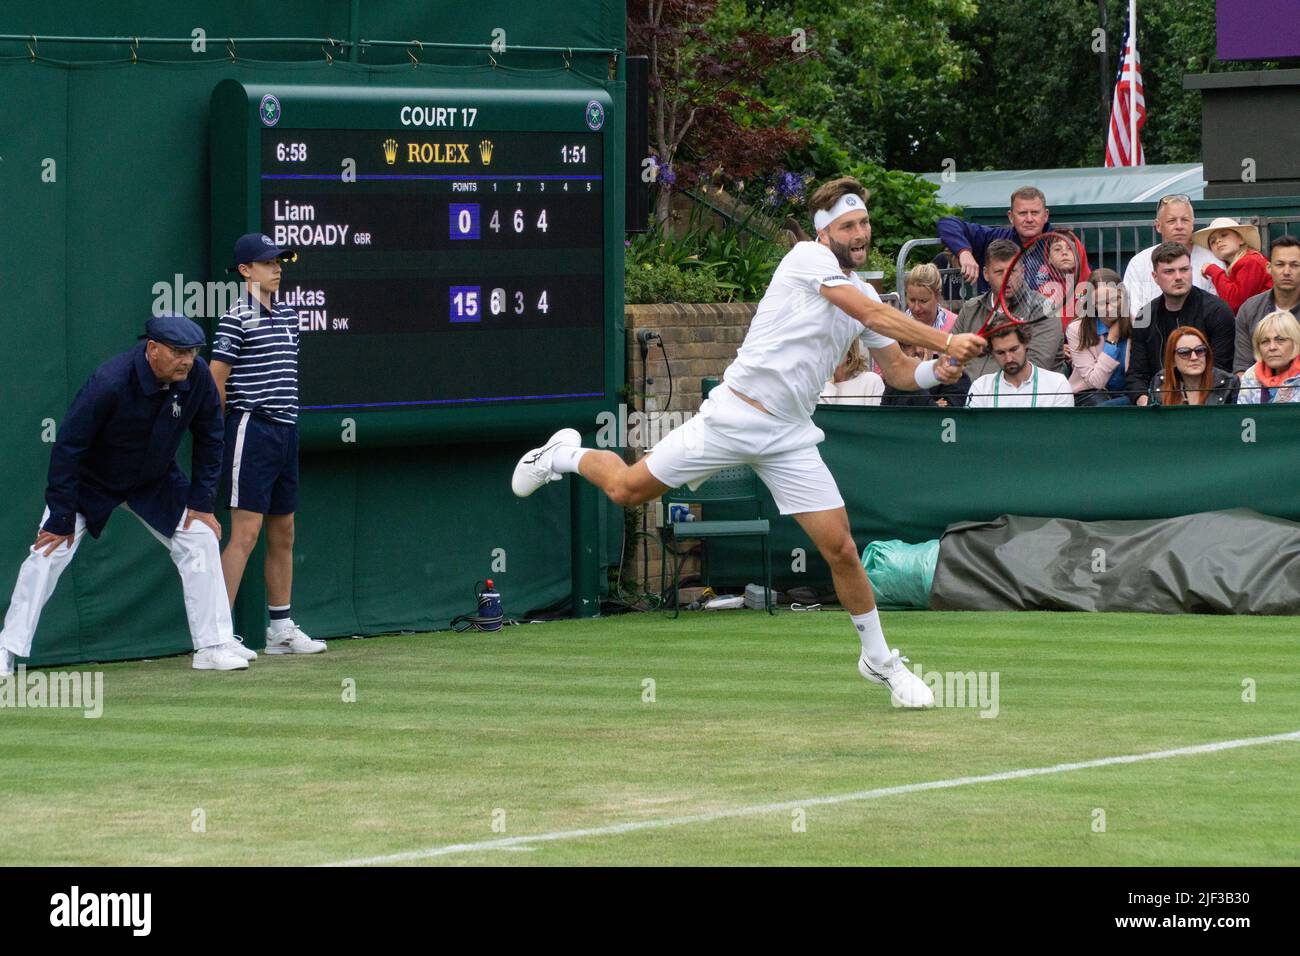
x=118 y=443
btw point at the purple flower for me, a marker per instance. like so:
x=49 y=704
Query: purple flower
x=667 y=175
x=789 y=185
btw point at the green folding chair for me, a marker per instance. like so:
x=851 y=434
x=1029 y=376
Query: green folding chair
x=730 y=484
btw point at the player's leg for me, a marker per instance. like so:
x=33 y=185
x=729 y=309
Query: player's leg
x=802 y=486
x=829 y=531
x=242 y=477
x=284 y=636
x=689 y=453
x=37 y=579
x=196 y=552
x=245 y=527
x=279 y=559
x=626 y=486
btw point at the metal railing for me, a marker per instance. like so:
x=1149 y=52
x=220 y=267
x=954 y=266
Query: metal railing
x=1109 y=243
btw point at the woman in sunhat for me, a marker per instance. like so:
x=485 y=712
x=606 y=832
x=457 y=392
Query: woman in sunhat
x=1238 y=246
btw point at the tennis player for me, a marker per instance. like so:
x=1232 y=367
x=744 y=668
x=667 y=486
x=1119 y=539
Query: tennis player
x=761 y=415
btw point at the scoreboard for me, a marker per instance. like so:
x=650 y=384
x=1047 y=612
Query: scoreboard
x=452 y=250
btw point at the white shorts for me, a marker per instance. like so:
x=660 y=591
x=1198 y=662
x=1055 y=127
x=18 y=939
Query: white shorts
x=728 y=432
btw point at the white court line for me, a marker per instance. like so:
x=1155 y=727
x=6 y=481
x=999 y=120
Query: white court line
x=615 y=829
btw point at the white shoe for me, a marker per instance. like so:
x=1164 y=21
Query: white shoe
x=534 y=469
x=6 y=662
x=237 y=648
x=218 y=658
x=906 y=689
x=291 y=640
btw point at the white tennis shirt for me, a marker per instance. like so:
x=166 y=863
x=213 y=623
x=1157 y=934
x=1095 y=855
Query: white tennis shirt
x=798 y=336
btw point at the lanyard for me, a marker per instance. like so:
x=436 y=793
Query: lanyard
x=1033 y=397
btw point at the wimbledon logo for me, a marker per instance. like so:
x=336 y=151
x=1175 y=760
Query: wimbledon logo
x=269 y=110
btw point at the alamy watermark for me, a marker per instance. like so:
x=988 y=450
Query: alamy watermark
x=634 y=429
x=211 y=300
x=962 y=689
x=73 y=690
x=128 y=910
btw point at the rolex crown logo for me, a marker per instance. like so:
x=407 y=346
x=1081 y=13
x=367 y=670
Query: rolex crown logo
x=485 y=152
x=390 y=151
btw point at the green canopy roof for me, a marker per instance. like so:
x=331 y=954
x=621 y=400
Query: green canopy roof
x=1072 y=187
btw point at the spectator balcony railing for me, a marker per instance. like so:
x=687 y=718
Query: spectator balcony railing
x=1109 y=243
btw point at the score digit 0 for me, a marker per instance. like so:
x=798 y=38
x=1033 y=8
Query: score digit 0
x=464 y=220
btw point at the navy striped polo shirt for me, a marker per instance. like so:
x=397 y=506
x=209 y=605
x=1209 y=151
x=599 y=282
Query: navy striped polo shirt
x=261 y=348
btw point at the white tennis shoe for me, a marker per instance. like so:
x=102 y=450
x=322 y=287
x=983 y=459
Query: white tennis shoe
x=291 y=640
x=534 y=469
x=218 y=658
x=237 y=648
x=906 y=689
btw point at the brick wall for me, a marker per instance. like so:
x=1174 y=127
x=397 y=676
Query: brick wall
x=701 y=341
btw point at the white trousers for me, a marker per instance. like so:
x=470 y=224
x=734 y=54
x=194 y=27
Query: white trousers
x=196 y=554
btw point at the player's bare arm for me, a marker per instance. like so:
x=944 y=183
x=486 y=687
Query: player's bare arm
x=889 y=321
x=220 y=372
x=898 y=369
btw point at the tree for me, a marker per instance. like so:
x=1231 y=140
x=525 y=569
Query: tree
x=705 y=121
x=888 y=76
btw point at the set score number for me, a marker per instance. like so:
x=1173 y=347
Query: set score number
x=466 y=217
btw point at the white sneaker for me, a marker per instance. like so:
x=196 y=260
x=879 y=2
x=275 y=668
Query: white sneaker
x=906 y=689
x=218 y=658
x=291 y=640
x=534 y=469
x=6 y=662
x=237 y=648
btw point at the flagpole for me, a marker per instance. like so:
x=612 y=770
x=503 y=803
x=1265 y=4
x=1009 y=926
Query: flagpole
x=1131 y=54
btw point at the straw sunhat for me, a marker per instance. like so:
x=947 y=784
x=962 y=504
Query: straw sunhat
x=1249 y=234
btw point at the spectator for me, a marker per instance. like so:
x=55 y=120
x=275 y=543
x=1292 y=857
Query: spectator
x=1238 y=246
x=1174 y=222
x=1284 y=270
x=1189 y=376
x=923 y=286
x=1060 y=276
x=1275 y=376
x=1029 y=218
x=954 y=286
x=1099 y=342
x=1180 y=304
x=1047 y=339
x=853 y=382
x=942 y=395
x=1019 y=383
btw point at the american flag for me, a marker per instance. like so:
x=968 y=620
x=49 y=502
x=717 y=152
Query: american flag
x=1119 y=151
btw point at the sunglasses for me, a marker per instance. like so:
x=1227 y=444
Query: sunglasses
x=1199 y=352
x=1173 y=197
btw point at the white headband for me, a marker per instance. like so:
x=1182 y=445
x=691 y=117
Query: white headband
x=847 y=203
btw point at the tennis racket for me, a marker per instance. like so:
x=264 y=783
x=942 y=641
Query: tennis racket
x=1047 y=268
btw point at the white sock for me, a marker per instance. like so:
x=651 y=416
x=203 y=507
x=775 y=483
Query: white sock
x=872 y=637
x=564 y=459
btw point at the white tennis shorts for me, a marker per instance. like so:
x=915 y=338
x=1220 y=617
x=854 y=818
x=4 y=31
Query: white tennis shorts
x=729 y=432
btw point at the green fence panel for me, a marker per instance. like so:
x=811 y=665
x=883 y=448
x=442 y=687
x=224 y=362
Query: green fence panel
x=908 y=473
